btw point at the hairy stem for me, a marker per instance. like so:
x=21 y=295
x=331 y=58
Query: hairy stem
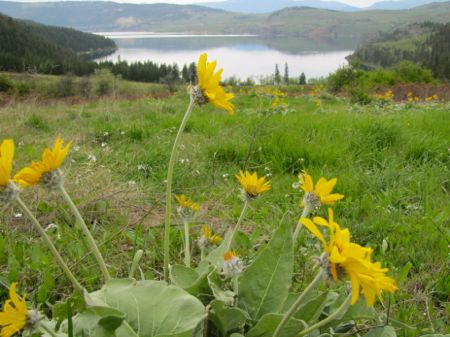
x=50 y=244
x=173 y=156
x=241 y=217
x=187 y=245
x=294 y=308
x=90 y=239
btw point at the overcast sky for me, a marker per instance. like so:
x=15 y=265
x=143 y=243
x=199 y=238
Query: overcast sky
x=356 y=3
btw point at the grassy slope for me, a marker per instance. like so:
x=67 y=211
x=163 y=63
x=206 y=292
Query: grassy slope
x=392 y=165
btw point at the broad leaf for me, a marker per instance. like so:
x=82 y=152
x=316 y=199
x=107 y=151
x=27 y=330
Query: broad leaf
x=227 y=319
x=152 y=308
x=264 y=285
x=97 y=322
x=218 y=288
x=384 y=331
x=311 y=310
x=268 y=323
x=190 y=280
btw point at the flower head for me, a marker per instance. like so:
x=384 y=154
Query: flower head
x=209 y=238
x=186 y=207
x=343 y=257
x=8 y=190
x=209 y=89
x=320 y=194
x=14 y=316
x=45 y=171
x=252 y=185
x=232 y=264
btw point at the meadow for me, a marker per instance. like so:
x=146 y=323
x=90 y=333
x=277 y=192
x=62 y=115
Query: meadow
x=391 y=160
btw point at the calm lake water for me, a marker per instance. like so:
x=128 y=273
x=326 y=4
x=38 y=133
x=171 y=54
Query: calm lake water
x=241 y=56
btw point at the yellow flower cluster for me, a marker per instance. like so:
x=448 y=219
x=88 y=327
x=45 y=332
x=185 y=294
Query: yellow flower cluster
x=320 y=194
x=209 y=236
x=186 y=203
x=387 y=96
x=345 y=257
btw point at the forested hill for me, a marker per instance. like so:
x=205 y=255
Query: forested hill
x=31 y=46
x=425 y=43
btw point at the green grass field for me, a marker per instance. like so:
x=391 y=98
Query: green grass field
x=391 y=161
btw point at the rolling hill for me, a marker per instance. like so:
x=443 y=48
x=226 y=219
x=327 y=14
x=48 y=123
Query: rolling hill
x=295 y=22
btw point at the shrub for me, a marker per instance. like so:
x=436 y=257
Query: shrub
x=409 y=72
x=5 y=83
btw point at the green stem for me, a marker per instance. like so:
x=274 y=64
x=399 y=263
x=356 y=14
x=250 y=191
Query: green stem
x=135 y=264
x=335 y=315
x=187 y=246
x=241 y=217
x=87 y=233
x=50 y=245
x=294 y=308
x=47 y=329
x=305 y=214
x=173 y=156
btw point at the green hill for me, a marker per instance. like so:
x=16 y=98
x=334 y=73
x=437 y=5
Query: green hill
x=296 y=22
x=36 y=47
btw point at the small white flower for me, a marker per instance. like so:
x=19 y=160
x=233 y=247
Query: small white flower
x=131 y=183
x=76 y=148
x=184 y=161
x=18 y=215
x=92 y=158
x=51 y=226
x=21 y=143
x=104 y=144
x=268 y=175
x=296 y=185
x=122 y=132
x=105 y=134
x=266 y=168
x=225 y=175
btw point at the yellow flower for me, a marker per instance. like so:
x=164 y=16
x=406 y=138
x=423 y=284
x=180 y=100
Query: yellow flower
x=229 y=255
x=14 y=316
x=39 y=171
x=209 y=84
x=210 y=237
x=253 y=186
x=187 y=203
x=344 y=256
x=6 y=158
x=319 y=194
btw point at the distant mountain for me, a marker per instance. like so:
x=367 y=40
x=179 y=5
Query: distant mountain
x=29 y=45
x=268 y=6
x=402 y=4
x=295 y=23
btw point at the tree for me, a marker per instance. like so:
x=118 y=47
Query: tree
x=185 y=73
x=277 y=77
x=302 y=79
x=286 y=74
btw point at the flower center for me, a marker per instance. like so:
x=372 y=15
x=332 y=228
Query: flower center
x=198 y=96
x=52 y=179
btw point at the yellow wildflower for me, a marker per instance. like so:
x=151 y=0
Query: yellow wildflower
x=343 y=256
x=187 y=203
x=6 y=158
x=209 y=237
x=232 y=264
x=14 y=316
x=319 y=194
x=209 y=84
x=251 y=185
x=229 y=255
x=46 y=170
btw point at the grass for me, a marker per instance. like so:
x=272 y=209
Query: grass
x=392 y=164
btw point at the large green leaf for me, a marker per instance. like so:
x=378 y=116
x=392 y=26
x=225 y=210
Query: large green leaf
x=218 y=288
x=384 y=331
x=268 y=323
x=98 y=322
x=189 y=279
x=227 y=319
x=152 y=308
x=311 y=310
x=264 y=285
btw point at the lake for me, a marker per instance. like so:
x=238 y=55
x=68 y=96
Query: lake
x=242 y=56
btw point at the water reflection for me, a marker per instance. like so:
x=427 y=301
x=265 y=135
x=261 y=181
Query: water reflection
x=240 y=56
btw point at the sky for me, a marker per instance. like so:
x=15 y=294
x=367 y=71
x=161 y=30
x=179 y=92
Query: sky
x=355 y=3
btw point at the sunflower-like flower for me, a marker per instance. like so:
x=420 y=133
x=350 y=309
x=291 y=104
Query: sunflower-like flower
x=15 y=315
x=46 y=171
x=232 y=265
x=209 y=238
x=252 y=185
x=343 y=257
x=208 y=89
x=320 y=194
x=186 y=207
x=7 y=189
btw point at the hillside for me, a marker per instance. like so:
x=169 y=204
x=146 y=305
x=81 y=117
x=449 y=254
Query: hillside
x=46 y=49
x=427 y=44
x=297 y=22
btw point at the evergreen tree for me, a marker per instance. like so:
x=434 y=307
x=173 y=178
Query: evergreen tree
x=286 y=74
x=277 y=76
x=193 y=73
x=185 y=73
x=302 y=79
